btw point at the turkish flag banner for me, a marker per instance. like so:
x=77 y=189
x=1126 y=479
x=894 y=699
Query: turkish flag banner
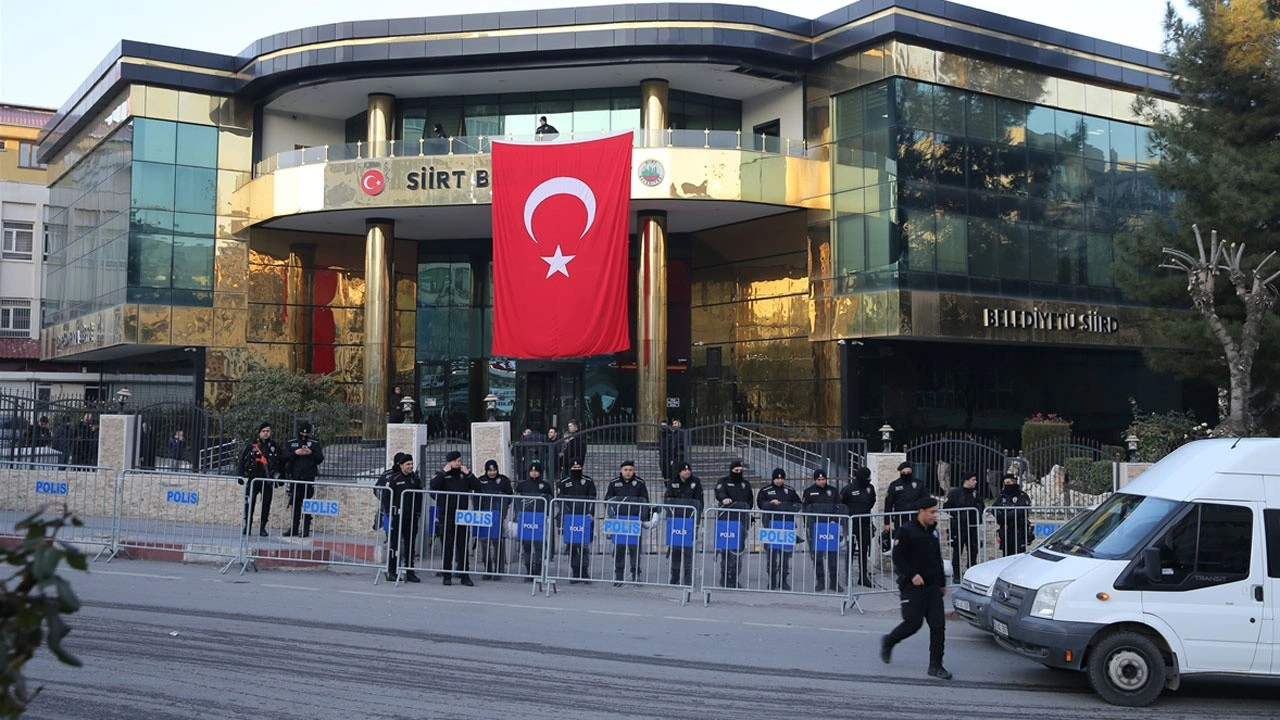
x=560 y=218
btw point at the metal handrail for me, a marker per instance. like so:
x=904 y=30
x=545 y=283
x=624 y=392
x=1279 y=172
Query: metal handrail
x=483 y=145
x=740 y=437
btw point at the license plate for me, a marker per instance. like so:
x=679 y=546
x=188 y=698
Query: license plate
x=963 y=605
x=1000 y=628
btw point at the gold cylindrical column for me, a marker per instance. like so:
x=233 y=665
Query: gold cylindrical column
x=378 y=276
x=651 y=323
x=382 y=113
x=653 y=111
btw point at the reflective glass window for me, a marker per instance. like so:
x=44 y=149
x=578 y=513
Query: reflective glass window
x=193 y=251
x=154 y=140
x=1042 y=245
x=1071 y=257
x=1071 y=131
x=919 y=238
x=952 y=244
x=877 y=108
x=1124 y=142
x=949 y=109
x=984 y=247
x=981 y=118
x=197 y=145
x=851 y=244
x=1013 y=251
x=879 y=237
x=1011 y=122
x=152 y=186
x=1041 y=128
x=850 y=108
x=1099 y=259
x=913 y=104
x=196 y=190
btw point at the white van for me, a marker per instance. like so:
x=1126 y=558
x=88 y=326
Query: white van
x=1177 y=574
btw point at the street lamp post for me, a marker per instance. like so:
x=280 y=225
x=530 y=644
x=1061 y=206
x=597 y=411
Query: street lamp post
x=1131 y=447
x=406 y=408
x=122 y=397
x=491 y=405
x=886 y=434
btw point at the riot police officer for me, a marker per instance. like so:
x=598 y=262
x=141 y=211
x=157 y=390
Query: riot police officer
x=902 y=495
x=494 y=486
x=582 y=487
x=820 y=498
x=734 y=497
x=682 y=497
x=859 y=499
x=917 y=558
x=454 y=478
x=533 y=498
x=402 y=529
x=778 y=502
x=302 y=457
x=628 y=498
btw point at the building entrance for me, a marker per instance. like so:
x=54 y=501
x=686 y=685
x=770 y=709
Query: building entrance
x=548 y=394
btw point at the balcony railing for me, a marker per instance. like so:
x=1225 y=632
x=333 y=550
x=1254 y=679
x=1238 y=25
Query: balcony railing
x=483 y=144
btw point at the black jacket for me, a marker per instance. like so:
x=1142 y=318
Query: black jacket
x=580 y=487
x=788 y=502
x=903 y=494
x=1010 y=508
x=681 y=494
x=820 y=499
x=737 y=489
x=529 y=489
x=397 y=482
x=498 y=485
x=859 y=498
x=303 y=467
x=260 y=459
x=453 y=481
x=918 y=553
x=621 y=491
x=573 y=447
x=958 y=498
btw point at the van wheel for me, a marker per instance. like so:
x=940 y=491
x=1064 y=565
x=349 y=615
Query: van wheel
x=1126 y=669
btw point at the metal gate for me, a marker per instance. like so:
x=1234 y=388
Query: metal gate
x=1080 y=466
x=939 y=459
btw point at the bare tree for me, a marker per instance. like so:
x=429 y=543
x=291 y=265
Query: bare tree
x=1258 y=296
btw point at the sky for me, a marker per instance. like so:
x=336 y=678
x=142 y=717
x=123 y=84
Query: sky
x=47 y=49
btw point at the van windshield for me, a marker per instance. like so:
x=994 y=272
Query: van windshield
x=1113 y=529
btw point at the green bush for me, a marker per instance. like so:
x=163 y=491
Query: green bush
x=1161 y=433
x=1086 y=475
x=1041 y=430
x=277 y=395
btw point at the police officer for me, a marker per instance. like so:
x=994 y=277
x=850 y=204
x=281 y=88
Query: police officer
x=734 y=496
x=902 y=495
x=820 y=498
x=917 y=558
x=454 y=477
x=1012 y=529
x=682 y=497
x=527 y=491
x=859 y=499
x=402 y=529
x=493 y=485
x=582 y=487
x=778 y=502
x=302 y=457
x=628 y=498
x=260 y=461
x=965 y=505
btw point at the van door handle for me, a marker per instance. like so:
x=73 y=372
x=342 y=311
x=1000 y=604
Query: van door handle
x=1257 y=593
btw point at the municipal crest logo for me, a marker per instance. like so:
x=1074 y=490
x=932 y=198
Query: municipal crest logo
x=651 y=173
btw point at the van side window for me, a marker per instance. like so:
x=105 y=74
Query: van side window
x=1210 y=545
x=1271 y=520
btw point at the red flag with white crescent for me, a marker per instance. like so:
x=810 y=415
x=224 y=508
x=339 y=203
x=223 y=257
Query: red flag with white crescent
x=560 y=218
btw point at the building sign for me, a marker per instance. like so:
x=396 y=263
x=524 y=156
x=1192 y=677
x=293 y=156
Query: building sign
x=372 y=182
x=651 y=173
x=1037 y=319
x=430 y=177
x=73 y=338
x=95 y=331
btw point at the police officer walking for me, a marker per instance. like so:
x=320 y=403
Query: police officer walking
x=965 y=505
x=577 y=485
x=821 y=498
x=628 y=498
x=493 y=485
x=734 y=497
x=917 y=558
x=402 y=530
x=260 y=461
x=302 y=458
x=1012 y=528
x=859 y=499
x=532 y=487
x=682 y=497
x=902 y=495
x=778 y=502
x=454 y=477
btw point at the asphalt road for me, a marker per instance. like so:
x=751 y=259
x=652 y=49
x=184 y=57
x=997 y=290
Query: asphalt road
x=165 y=641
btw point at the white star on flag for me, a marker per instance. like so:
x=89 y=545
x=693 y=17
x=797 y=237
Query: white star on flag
x=558 y=263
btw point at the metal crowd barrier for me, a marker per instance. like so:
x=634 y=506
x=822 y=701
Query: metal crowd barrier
x=500 y=536
x=88 y=492
x=173 y=515
x=1040 y=521
x=346 y=527
x=623 y=543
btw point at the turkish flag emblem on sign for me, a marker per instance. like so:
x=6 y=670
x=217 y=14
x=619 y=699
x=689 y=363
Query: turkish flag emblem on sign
x=560 y=217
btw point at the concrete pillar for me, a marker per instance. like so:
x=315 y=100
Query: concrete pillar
x=407 y=438
x=381 y=124
x=492 y=441
x=1128 y=472
x=117 y=441
x=653 y=111
x=651 y=323
x=378 y=276
x=884 y=470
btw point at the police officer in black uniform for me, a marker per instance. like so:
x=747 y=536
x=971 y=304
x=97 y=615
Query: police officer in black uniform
x=821 y=498
x=917 y=558
x=260 y=460
x=1012 y=528
x=682 y=497
x=734 y=497
x=859 y=499
x=533 y=486
x=302 y=458
x=628 y=497
x=402 y=529
x=577 y=485
x=454 y=477
x=495 y=489
x=902 y=495
x=777 y=502
x=965 y=505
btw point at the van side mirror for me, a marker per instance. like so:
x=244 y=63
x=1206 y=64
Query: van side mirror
x=1151 y=564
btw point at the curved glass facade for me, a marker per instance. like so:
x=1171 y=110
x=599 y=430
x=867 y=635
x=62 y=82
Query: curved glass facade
x=939 y=188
